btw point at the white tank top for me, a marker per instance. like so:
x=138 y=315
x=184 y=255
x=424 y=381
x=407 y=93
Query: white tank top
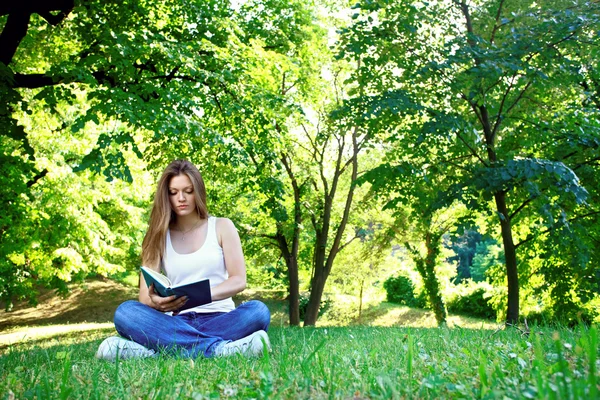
x=205 y=263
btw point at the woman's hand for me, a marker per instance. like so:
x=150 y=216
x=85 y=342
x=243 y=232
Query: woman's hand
x=165 y=304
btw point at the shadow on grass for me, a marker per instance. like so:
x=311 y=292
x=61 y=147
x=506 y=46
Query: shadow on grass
x=94 y=301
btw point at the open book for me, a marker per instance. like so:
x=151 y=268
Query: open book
x=198 y=292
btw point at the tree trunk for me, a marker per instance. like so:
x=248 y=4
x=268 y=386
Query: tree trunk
x=510 y=255
x=294 y=291
x=291 y=255
x=316 y=293
x=317 y=284
x=291 y=262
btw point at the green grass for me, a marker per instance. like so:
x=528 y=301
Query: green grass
x=322 y=363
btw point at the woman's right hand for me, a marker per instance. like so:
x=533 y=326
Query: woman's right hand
x=165 y=304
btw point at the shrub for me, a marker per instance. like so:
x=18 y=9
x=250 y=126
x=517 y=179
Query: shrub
x=473 y=303
x=401 y=290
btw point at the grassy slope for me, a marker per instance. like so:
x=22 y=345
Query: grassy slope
x=91 y=306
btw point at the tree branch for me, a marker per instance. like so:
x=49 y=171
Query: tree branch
x=36 y=178
x=471 y=149
x=347 y=243
x=550 y=229
x=14 y=31
x=335 y=247
x=496 y=25
x=519 y=97
x=17 y=23
x=522 y=206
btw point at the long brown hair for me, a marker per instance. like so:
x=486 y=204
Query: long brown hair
x=162 y=214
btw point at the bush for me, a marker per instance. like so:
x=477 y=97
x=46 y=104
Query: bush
x=401 y=290
x=473 y=303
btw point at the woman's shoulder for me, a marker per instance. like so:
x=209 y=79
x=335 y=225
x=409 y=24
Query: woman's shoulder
x=223 y=223
x=225 y=229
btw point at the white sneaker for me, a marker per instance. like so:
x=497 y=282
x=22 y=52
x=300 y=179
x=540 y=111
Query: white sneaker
x=251 y=345
x=116 y=346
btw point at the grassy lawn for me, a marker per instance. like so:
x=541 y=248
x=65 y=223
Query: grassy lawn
x=396 y=355
x=345 y=362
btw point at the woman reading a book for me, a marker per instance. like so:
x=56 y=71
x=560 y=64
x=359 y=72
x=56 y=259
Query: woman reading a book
x=189 y=246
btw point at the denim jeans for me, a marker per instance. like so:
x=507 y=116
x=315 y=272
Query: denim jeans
x=190 y=334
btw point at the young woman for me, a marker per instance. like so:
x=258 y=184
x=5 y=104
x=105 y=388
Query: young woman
x=189 y=245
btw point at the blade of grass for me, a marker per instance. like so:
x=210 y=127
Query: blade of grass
x=592 y=356
x=483 y=376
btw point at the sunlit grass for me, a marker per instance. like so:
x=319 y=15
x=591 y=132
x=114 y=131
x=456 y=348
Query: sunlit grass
x=389 y=352
x=32 y=333
x=345 y=362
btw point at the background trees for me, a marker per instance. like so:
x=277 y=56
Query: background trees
x=493 y=107
x=451 y=114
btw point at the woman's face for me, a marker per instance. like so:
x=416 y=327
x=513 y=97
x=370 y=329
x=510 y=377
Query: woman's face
x=181 y=195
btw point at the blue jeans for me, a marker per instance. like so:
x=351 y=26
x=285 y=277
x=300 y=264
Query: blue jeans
x=190 y=334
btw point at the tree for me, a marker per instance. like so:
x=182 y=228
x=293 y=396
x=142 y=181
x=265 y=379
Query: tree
x=166 y=74
x=498 y=84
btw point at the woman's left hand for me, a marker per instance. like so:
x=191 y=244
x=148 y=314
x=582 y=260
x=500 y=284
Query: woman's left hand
x=165 y=304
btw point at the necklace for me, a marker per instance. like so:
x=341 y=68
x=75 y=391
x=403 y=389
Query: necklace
x=183 y=233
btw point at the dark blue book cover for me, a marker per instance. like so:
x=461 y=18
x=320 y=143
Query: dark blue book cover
x=198 y=292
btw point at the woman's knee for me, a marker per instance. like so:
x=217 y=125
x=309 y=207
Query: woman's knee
x=261 y=312
x=125 y=314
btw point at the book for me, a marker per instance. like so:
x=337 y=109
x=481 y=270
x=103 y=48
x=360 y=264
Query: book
x=198 y=292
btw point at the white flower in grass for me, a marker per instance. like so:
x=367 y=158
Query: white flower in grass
x=229 y=391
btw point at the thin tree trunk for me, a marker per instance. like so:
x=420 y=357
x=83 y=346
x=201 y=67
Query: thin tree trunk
x=360 y=302
x=435 y=294
x=318 y=282
x=291 y=262
x=510 y=255
x=294 y=291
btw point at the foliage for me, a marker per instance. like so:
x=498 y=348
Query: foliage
x=183 y=78
x=449 y=114
x=68 y=226
x=400 y=289
x=465 y=248
x=473 y=300
x=488 y=254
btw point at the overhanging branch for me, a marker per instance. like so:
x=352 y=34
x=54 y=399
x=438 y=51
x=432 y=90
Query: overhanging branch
x=551 y=228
